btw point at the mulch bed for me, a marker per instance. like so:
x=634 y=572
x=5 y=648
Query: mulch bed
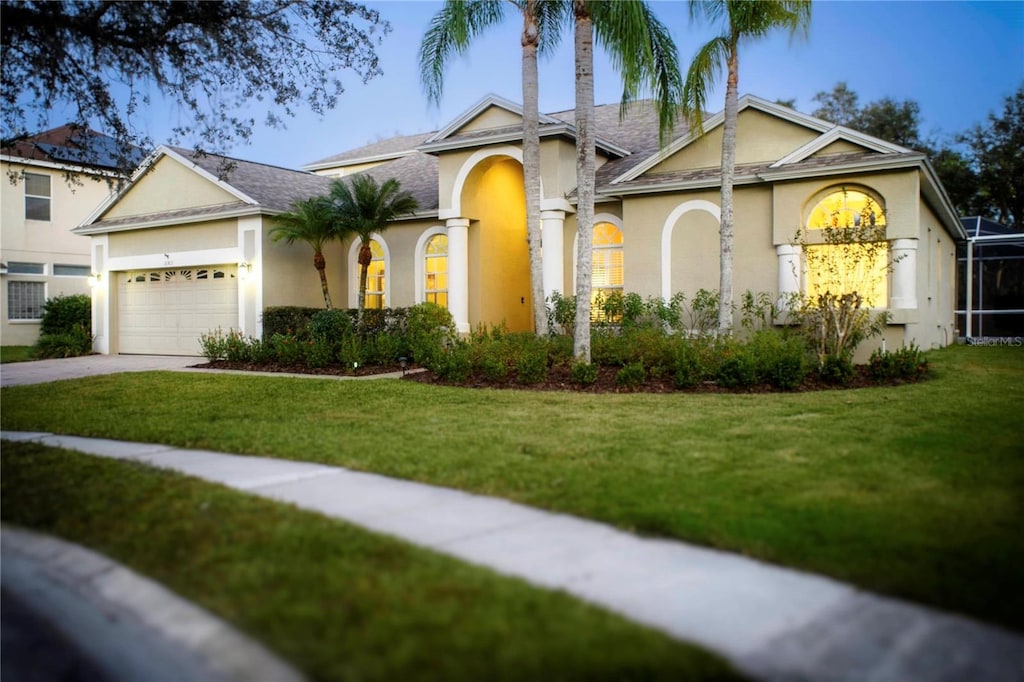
x=557 y=380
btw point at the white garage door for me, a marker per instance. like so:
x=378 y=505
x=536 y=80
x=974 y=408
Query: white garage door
x=163 y=312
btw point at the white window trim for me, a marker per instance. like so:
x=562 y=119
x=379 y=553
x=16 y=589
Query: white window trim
x=70 y=265
x=7 y=293
x=49 y=198
x=353 y=266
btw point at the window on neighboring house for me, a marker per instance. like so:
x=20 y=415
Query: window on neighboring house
x=71 y=270
x=435 y=285
x=853 y=255
x=37 y=196
x=375 y=277
x=606 y=273
x=25 y=300
x=26 y=268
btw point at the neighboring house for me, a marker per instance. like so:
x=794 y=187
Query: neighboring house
x=656 y=224
x=52 y=181
x=990 y=281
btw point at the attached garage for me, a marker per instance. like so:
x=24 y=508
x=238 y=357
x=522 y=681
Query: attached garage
x=163 y=312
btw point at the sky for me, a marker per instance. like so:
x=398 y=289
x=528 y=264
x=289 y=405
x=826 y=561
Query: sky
x=958 y=60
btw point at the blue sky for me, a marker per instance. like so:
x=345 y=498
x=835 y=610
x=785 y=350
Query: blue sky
x=958 y=60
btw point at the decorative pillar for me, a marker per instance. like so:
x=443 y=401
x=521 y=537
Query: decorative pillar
x=789 y=272
x=552 y=237
x=904 y=274
x=458 y=272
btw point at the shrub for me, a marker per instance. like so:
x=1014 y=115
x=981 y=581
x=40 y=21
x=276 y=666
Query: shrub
x=836 y=369
x=687 y=367
x=214 y=345
x=583 y=374
x=532 y=364
x=738 y=368
x=330 y=325
x=430 y=329
x=259 y=352
x=631 y=376
x=906 y=363
x=561 y=314
x=781 y=359
x=350 y=352
x=288 y=321
x=317 y=353
x=64 y=314
x=236 y=349
x=453 y=363
x=287 y=349
x=69 y=344
x=384 y=349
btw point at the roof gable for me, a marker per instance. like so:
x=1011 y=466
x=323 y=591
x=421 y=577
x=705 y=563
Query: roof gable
x=840 y=140
x=490 y=112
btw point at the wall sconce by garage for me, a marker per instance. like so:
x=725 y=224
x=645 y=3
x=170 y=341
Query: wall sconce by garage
x=94 y=279
x=244 y=270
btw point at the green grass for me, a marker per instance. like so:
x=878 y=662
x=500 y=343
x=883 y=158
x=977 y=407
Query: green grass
x=15 y=354
x=912 y=490
x=338 y=602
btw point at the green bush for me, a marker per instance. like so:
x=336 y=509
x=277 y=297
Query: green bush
x=532 y=364
x=317 y=353
x=384 y=349
x=259 y=352
x=214 y=345
x=906 y=363
x=561 y=314
x=64 y=314
x=687 y=367
x=836 y=369
x=583 y=374
x=738 y=368
x=330 y=325
x=287 y=349
x=236 y=348
x=453 y=363
x=69 y=344
x=782 y=360
x=288 y=321
x=431 y=330
x=631 y=376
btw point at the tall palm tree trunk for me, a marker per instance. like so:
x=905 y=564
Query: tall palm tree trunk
x=585 y=166
x=321 y=268
x=531 y=165
x=364 y=260
x=728 y=173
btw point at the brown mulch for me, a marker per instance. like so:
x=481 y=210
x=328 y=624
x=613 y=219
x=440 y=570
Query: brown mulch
x=558 y=379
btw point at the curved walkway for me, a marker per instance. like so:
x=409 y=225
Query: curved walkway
x=771 y=622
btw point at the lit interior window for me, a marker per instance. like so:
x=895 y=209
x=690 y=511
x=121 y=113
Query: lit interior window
x=846 y=208
x=435 y=286
x=375 y=277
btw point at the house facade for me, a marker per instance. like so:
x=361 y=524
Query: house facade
x=48 y=189
x=655 y=232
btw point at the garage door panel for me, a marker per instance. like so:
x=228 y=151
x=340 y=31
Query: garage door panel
x=165 y=312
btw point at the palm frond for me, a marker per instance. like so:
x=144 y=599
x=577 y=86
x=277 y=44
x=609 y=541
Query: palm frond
x=450 y=33
x=701 y=78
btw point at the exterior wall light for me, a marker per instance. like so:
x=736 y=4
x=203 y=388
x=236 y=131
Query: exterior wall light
x=94 y=280
x=244 y=270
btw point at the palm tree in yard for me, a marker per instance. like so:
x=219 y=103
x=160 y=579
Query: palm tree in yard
x=643 y=52
x=312 y=221
x=742 y=20
x=362 y=207
x=451 y=32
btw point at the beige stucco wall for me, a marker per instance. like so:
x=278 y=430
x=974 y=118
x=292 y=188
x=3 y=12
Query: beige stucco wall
x=289 y=277
x=759 y=137
x=169 y=186
x=491 y=117
x=838 y=147
x=48 y=242
x=213 y=234
x=936 y=285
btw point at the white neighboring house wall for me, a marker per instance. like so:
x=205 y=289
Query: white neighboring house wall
x=41 y=257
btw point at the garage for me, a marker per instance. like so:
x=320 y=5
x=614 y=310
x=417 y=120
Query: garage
x=163 y=312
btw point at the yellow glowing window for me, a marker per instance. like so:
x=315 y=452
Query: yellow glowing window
x=435 y=285
x=847 y=268
x=846 y=208
x=375 y=277
x=606 y=273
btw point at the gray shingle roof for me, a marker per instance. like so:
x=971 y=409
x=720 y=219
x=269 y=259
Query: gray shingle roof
x=392 y=145
x=272 y=187
x=418 y=175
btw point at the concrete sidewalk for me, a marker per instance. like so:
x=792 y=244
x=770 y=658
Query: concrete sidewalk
x=771 y=622
x=43 y=371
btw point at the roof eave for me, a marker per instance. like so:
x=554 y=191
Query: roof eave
x=99 y=228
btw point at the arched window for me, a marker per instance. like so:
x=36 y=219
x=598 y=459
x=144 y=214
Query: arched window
x=846 y=250
x=375 y=277
x=435 y=270
x=606 y=274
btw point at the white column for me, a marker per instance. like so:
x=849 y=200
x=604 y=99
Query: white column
x=789 y=272
x=458 y=272
x=552 y=237
x=904 y=274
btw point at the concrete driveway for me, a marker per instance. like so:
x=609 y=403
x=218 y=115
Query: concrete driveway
x=42 y=371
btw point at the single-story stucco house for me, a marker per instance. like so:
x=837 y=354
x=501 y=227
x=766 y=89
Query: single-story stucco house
x=185 y=248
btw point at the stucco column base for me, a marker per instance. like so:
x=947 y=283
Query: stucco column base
x=904 y=274
x=552 y=237
x=789 y=266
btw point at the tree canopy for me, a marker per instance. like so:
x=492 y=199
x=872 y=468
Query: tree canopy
x=102 y=60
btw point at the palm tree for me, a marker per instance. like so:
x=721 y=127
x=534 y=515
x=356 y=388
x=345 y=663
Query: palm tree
x=362 y=207
x=312 y=221
x=642 y=50
x=451 y=32
x=743 y=20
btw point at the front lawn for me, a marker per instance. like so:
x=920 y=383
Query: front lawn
x=16 y=354
x=338 y=602
x=911 y=490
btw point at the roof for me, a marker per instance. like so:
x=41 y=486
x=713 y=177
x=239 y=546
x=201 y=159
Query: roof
x=391 y=147
x=71 y=144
